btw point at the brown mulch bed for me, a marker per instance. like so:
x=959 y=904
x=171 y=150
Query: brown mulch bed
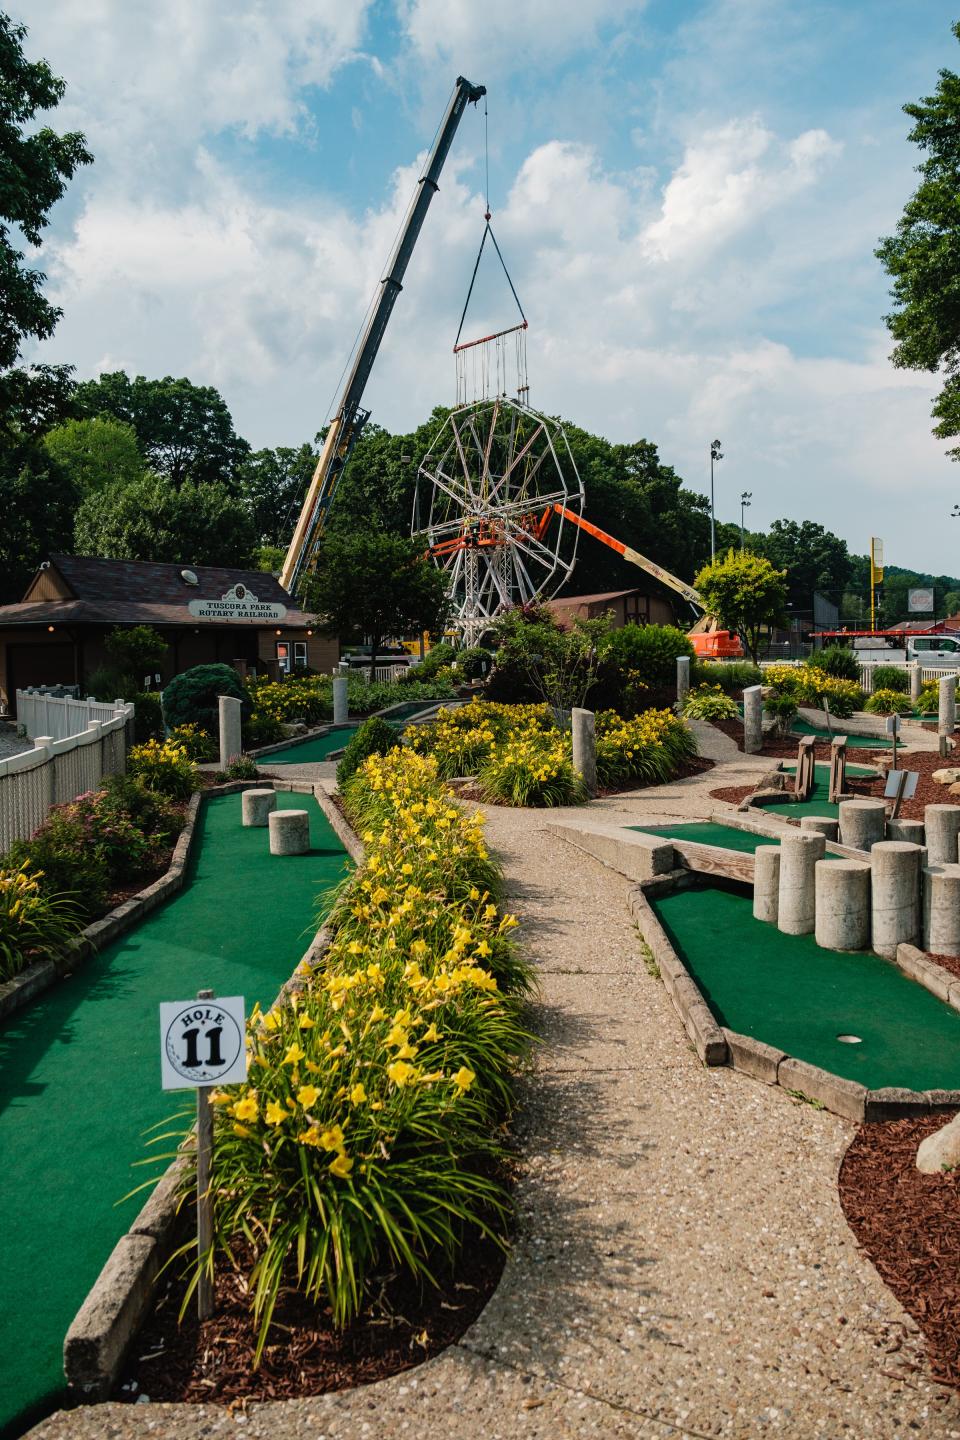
x=948 y=962
x=127 y=892
x=773 y=749
x=909 y=1226
x=305 y=1355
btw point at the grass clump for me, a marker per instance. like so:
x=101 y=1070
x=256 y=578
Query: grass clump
x=709 y=702
x=373 y=737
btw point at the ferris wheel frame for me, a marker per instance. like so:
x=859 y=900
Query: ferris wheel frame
x=503 y=538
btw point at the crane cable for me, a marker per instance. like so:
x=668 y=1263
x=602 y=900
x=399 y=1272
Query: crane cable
x=487 y=230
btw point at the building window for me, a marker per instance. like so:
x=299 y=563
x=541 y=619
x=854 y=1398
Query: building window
x=300 y=653
x=283 y=657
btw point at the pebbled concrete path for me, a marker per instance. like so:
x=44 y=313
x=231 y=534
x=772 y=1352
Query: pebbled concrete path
x=682 y=1265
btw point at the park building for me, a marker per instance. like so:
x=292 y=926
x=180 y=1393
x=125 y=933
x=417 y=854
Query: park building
x=207 y=613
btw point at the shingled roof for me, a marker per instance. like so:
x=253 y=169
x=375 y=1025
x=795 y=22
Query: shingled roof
x=142 y=592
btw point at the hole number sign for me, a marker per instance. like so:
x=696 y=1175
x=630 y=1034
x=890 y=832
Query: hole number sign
x=202 y=1042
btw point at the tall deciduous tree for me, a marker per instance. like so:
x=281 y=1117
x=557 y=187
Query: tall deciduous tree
x=746 y=594
x=273 y=484
x=95 y=453
x=379 y=584
x=35 y=165
x=814 y=559
x=923 y=257
x=149 y=520
x=184 y=431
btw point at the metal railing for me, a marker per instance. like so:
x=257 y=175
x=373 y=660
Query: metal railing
x=55 y=772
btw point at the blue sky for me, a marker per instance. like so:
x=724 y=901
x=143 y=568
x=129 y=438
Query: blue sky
x=688 y=193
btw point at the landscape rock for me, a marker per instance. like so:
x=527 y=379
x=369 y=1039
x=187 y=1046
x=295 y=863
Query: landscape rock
x=941 y=1150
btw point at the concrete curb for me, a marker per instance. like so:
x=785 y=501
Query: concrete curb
x=933 y=977
x=344 y=831
x=119 y=1300
x=716 y=1045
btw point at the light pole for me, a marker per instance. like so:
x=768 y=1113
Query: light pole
x=955 y=512
x=745 y=498
x=715 y=454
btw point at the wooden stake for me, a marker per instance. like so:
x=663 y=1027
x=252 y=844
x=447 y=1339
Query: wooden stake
x=901 y=786
x=204 y=1197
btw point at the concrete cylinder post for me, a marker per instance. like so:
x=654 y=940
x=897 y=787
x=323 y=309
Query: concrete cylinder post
x=895 y=896
x=909 y=830
x=231 y=741
x=942 y=829
x=585 y=748
x=842 y=904
x=753 y=720
x=289 y=832
x=256 y=806
x=683 y=681
x=947 y=710
x=941 y=909
x=766 y=883
x=820 y=825
x=916 y=683
x=340 y=702
x=796 y=905
x=862 y=823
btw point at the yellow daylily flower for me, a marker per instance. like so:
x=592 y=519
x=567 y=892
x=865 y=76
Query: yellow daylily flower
x=308 y=1095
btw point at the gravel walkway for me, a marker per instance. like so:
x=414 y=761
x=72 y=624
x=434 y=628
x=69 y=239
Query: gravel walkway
x=9 y=744
x=682 y=1265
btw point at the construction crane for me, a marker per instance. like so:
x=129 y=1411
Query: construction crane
x=350 y=417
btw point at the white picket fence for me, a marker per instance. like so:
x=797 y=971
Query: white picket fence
x=50 y=715
x=56 y=772
x=927 y=672
x=389 y=673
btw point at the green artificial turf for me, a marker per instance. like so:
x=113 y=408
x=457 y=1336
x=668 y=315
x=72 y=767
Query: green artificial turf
x=307 y=752
x=705 y=832
x=80 y=1073
x=788 y=992
x=854 y=742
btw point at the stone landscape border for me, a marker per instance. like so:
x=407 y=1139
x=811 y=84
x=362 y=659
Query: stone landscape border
x=659 y=866
x=107 y=1322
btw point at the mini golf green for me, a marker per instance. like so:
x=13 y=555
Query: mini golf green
x=786 y=991
x=707 y=832
x=854 y=742
x=80 y=1074
x=819 y=803
x=307 y=752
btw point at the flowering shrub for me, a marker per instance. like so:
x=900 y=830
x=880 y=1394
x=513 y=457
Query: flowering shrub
x=199 y=744
x=164 y=767
x=647 y=750
x=368 y=1132
x=33 y=925
x=888 y=702
x=929 y=699
x=521 y=758
x=303 y=698
x=809 y=685
x=709 y=702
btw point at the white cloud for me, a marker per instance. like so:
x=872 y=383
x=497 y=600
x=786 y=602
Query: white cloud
x=727 y=179
x=146 y=79
x=505 y=35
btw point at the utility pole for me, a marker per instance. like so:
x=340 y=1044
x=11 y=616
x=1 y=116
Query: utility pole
x=715 y=454
x=745 y=498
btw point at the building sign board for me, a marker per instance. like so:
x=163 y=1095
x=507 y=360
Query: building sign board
x=238 y=603
x=920 y=601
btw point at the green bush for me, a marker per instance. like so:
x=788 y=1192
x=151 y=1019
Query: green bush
x=65 y=862
x=474 y=663
x=107 y=683
x=147 y=716
x=730 y=675
x=783 y=706
x=34 y=924
x=708 y=702
x=651 y=651
x=838 y=661
x=151 y=812
x=199 y=744
x=262 y=728
x=436 y=658
x=166 y=768
x=374 y=737
x=241 y=767
x=137 y=651
x=891 y=677
x=887 y=702
x=192 y=698
x=928 y=702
